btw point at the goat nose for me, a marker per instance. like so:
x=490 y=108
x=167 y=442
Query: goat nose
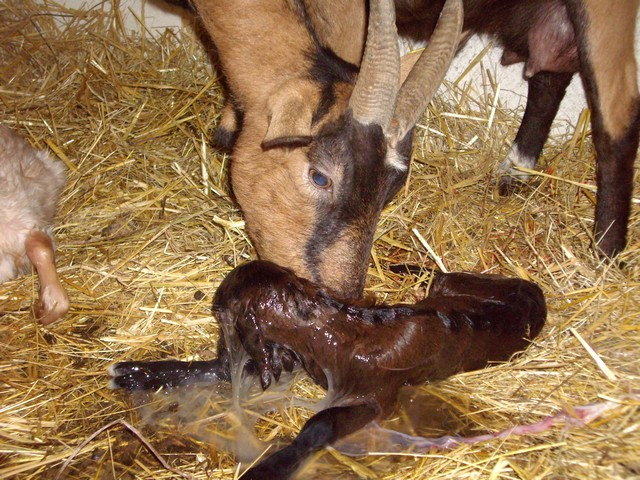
x=340 y=265
x=348 y=284
x=350 y=295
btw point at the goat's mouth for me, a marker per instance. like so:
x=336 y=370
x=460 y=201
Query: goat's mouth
x=340 y=268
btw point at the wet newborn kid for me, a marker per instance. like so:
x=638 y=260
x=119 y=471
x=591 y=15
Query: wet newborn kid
x=363 y=356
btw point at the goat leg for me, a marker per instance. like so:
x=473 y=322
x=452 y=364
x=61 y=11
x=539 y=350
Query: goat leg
x=53 y=302
x=250 y=334
x=321 y=430
x=609 y=75
x=546 y=91
x=167 y=373
x=266 y=360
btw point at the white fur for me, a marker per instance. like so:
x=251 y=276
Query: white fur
x=516 y=159
x=395 y=160
x=30 y=184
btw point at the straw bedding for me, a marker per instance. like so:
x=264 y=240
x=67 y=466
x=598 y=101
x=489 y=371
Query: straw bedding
x=147 y=230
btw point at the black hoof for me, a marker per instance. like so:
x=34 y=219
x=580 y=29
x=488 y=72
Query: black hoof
x=510 y=184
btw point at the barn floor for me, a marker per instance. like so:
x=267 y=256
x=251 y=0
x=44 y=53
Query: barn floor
x=146 y=231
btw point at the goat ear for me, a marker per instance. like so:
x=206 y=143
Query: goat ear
x=290 y=115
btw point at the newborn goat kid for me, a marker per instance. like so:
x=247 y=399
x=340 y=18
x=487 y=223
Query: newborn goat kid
x=361 y=355
x=30 y=183
x=364 y=355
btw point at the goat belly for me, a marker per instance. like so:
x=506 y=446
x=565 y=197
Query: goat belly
x=552 y=43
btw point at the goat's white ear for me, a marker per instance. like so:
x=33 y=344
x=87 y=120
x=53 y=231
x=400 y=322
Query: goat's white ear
x=290 y=115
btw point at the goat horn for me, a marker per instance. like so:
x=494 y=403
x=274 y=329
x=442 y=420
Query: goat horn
x=375 y=90
x=427 y=74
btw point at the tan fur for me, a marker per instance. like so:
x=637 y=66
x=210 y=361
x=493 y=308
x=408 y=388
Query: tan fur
x=279 y=220
x=610 y=46
x=346 y=39
x=261 y=47
x=341 y=25
x=290 y=110
x=344 y=248
x=255 y=40
x=228 y=120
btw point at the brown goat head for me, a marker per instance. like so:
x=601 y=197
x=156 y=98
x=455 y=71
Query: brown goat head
x=322 y=224
x=320 y=153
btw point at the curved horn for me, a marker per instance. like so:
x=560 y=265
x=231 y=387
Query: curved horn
x=377 y=86
x=427 y=74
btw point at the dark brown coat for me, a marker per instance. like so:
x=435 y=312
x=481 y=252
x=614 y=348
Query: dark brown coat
x=363 y=355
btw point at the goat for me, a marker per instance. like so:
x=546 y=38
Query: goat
x=362 y=355
x=555 y=39
x=305 y=195
x=318 y=154
x=30 y=183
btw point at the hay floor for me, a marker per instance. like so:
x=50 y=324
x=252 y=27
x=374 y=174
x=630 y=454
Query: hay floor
x=146 y=231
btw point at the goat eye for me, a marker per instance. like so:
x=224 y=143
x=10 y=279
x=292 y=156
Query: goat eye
x=319 y=179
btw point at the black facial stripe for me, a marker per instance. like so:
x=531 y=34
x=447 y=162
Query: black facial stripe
x=326 y=230
x=368 y=183
x=327 y=69
x=327 y=99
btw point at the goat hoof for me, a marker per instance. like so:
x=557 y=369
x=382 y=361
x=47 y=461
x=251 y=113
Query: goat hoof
x=510 y=184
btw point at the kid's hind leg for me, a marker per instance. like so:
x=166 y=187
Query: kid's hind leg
x=321 y=430
x=53 y=302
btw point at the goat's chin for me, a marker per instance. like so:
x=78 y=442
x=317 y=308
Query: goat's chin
x=350 y=288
